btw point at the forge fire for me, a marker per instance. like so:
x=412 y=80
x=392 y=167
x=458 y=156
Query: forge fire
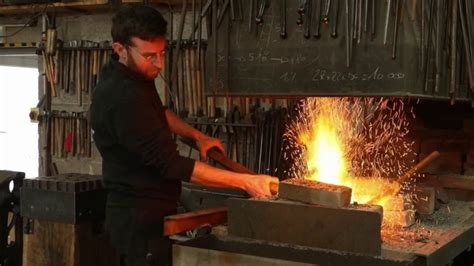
x=360 y=143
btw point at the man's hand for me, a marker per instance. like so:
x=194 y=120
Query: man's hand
x=206 y=143
x=259 y=185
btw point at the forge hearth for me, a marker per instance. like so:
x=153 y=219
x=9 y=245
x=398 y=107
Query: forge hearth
x=353 y=229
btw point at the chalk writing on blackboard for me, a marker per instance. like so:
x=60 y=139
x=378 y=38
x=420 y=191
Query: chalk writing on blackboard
x=336 y=76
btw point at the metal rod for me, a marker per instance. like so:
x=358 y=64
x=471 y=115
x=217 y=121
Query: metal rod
x=354 y=19
x=428 y=46
x=327 y=8
x=307 y=28
x=199 y=37
x=439 y=13
x=359 y=22
x=317 y=19
x=395 y=30
x=422 y=34
x=453 y=52
x=335 y=18
x=283 y=33
x=251 y=15
x=215 y=40
x=373 y=19
x=387 y=20
x=366 y=17
x=194 y=17
x=466 y=45
x=348 y=34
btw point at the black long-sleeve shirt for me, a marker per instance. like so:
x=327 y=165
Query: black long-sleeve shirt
x=141 y=164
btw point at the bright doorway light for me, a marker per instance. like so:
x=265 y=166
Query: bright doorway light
x=18 y=136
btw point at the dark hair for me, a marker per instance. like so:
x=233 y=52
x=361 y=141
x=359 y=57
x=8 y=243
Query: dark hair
x=140 y=21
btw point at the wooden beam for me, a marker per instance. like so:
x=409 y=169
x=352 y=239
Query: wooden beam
x=175 y=224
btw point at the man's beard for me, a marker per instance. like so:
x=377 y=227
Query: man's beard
x=134 y=67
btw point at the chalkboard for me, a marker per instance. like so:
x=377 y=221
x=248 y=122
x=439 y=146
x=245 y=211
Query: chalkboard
x=262 y=64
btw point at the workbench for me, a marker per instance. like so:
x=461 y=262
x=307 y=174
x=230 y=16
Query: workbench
x=434 y=240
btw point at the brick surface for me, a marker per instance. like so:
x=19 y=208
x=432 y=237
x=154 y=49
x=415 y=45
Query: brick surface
x=468 y=167
x=425 y=198
x=346 y=229
x=429 y=145
x=454 y=145
x=317 y=193
x=441 y=195
x=447 y=163
x=398 y=203
x=468 y=124
x=402 y=218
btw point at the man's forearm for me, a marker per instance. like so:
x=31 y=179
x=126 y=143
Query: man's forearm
x=207 y=175
x=181 y=128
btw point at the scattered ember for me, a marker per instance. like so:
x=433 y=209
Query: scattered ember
x=404 y=237
x=334 y=140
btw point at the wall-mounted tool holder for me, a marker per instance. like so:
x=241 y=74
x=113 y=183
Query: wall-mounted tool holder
x=186 y=89
x=73 y=70
x=70 y=134
x=254 y=140
x=343 y=48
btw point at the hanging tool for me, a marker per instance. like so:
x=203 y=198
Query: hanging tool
x=214 y=48
x=334 y=19
x=354 y=20
x=359 y=20
x=300 y=11
x=283 y=33
x=428 y=46
x=422 y=35
x=453 y=52
x=395 y=30
x=193 y=10
x=202 y=13
x=239 y=7
x=439 y=18
x=470 y=28
x=252 y=3
x=327 y=8
x=232 y=10
x=348 y=34
x=307 y=26
x=221 y=13
x=387 y=20
x=317 y=19
x=373 y=18
x=366 y=15
x=354 y=11
x=199 y=36
x=467 y=47
x=261 y=10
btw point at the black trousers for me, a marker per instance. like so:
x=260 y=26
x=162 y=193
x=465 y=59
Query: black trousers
x=137 y=234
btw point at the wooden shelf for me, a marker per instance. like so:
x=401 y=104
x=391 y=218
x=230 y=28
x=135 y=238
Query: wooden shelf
x=74 y=7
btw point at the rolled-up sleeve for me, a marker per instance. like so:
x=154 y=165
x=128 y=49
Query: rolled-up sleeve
x=140 y=125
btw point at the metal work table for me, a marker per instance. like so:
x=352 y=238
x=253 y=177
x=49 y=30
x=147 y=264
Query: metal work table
x=436 y=240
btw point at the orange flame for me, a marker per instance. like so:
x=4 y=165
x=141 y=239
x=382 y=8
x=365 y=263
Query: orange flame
x=326 y=161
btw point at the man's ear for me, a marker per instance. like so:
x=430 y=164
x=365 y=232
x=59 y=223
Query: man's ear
x=120 y=50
